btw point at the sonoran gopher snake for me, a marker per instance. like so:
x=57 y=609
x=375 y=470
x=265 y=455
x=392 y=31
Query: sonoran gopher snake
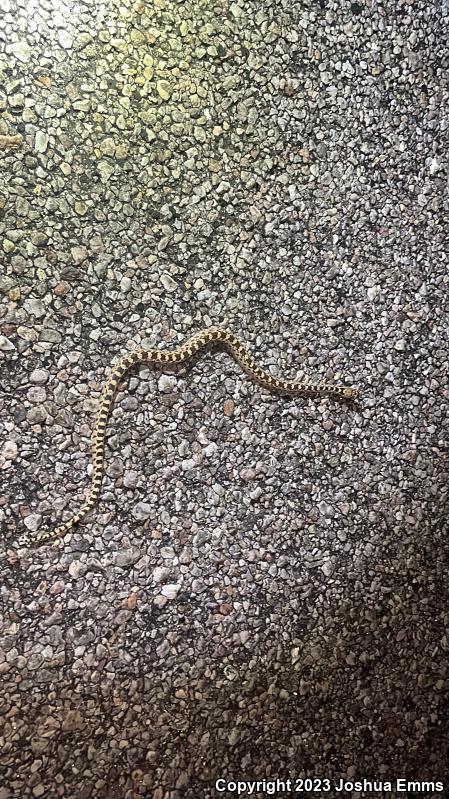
x=183 y=353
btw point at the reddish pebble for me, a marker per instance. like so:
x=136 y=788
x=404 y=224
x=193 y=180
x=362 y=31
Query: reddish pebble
x=228 y=407
x=61 y=289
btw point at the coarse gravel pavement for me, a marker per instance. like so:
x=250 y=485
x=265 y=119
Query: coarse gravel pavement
x=262 y=590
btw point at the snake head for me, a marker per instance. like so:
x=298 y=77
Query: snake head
x=23 y=540
x=350 y=393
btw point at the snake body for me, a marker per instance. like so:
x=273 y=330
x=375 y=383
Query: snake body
x=185 y=352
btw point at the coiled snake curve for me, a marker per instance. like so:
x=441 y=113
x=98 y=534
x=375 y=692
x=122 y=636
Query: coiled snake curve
x=185 y=352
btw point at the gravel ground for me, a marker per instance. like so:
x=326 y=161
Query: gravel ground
x=262 y=590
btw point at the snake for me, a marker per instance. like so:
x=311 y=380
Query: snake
x=194 y=345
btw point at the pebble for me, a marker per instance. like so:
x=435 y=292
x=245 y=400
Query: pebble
x=228 y=407
x=168 y=283
x=17 y=100
x=106 y=170
x=77 y=569
x=39 y=239
x=65 y=40
x=50 y=335
x=32 y=521
x=159 y=574
x=108 y=146
x=327 y=568
x=41 y=141
x=130 y=478
x=126 y=557
x=6 y=345
x=125 y=284
x=114 y=468
x=170 y=590
x=20 y=50
x=79 y=254
x=163 y=89
x=167 y=383
x=326 y=509
x=35 y=307
x=8 y=246
x=36 y=394
x=142 y=511
x=10 y=450
x=39 y=376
